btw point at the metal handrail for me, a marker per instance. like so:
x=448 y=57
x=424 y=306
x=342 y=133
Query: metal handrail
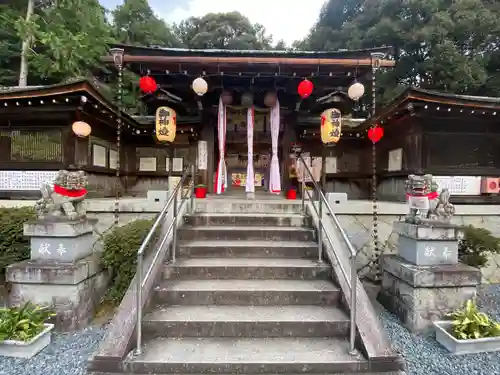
x=353 y=277
x=141 y=281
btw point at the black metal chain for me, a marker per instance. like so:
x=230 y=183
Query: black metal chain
x=118 y=141
x=376 y=247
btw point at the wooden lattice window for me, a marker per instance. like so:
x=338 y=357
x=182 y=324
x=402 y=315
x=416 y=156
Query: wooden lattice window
x=34 y=146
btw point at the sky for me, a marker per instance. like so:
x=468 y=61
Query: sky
x=284 y=19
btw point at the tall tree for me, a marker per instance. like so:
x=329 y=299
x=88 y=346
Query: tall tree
x=10 y=44
x=136 y=24
x=223 y=31
x=69 y=38
x=438 y=44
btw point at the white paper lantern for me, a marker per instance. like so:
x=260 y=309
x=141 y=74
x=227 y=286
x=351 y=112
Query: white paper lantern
x=356 y=91
x=227 y=97
x=200 y=86
x=270 y=99
x=81 y=129
x=247 y=99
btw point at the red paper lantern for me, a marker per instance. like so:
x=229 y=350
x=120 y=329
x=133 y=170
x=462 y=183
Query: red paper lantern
x=375 y=134
x=305 y=88
x=147 y=84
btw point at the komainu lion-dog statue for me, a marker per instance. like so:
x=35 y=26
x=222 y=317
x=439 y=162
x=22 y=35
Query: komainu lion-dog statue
x=64 y=198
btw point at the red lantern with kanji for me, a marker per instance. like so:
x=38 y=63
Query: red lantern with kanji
x=305 y=88
x=375 y=134
x=147 y=84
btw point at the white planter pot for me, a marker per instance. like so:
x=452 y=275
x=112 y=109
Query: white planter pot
x=26 y=349
x=455 y=346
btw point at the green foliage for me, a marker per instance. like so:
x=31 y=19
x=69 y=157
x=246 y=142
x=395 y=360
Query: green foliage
x=470 y=323
x=68 y=38
x=120 y=254
x=476 y=245
x=451 y=46
x=222 y=31
x=10 y=45
x=14 y=246
x=135 y=24
x=23 y=323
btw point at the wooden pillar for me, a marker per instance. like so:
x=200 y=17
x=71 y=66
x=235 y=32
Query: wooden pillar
x=412 y=149
x=288 y=138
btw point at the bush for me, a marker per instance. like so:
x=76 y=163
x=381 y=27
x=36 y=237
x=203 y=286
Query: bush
x=476 y=245
x=14 y=247
x=23 y=323
x=120 y=254
x=469 y=323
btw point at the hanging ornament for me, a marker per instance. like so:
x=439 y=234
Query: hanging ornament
x=147 y=84
x=305 y=88
x=165 y=124
x=375 y=134
x=227 y=97
x=199 y=86
x=81 y=129
x=247 y=99
x=270 y=99
x=356 y=91
x=331 y=125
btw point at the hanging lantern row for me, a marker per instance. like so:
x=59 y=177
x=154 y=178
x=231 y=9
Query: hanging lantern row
x=147 y=84
x=356 y=91
x=305 y=88
x=81 y=129
x=375 y=133
x=462 y=110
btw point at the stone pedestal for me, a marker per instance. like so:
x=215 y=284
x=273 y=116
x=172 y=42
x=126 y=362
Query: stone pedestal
x=72 y=289
x=63 y=272
x=418 y=295
x=428 y=244
x=426 y=281
x=63 y=241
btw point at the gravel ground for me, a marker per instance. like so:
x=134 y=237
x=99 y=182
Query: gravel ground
x=424 y=356
x=66 y=355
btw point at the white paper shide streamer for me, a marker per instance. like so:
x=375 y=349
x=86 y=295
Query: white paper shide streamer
x=274 y=178
x=250 y=183
x=221 y=176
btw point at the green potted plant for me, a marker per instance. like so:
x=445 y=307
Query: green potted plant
x=469 y=331
x=200 y=191
x=24 y=330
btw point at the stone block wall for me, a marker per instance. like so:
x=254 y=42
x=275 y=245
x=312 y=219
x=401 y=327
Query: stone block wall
x=355 y=217
x=357 y=223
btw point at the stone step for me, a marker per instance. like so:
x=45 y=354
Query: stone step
x=246 y=268
x=246 y=321
x=249 y=249
x=246 y=356
x=232 y=205
x=247 y=292
x=248 y=219
x=249 y=233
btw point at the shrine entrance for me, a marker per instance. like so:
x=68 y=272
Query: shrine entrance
x=249 y=140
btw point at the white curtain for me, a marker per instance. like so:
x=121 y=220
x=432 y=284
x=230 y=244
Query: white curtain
x=274 y=176
x=221 y=175
x=250 y=184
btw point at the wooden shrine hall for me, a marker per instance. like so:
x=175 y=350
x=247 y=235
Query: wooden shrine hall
x=278 y=95
x=453 y=137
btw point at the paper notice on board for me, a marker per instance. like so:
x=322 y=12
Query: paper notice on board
x=202 y=155
x=177 y=165
x=331 y=164
x=147 y=164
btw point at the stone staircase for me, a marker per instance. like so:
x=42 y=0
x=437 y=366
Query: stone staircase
x=247 y=296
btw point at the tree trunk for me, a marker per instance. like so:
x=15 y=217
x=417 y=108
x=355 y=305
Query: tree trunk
x=23 y=74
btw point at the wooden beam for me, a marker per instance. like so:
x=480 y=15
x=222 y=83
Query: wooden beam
x=296 y=61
